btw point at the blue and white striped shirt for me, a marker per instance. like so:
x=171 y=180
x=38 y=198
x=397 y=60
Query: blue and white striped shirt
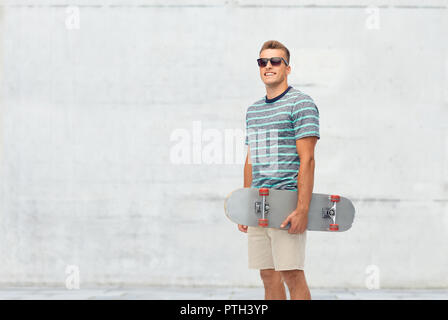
x=272 y=128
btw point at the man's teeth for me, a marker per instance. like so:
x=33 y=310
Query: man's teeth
x=269 y=74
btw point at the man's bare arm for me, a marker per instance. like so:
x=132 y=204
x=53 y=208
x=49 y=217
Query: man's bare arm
x=305 y=183
x=247 y=181
x=305 y=178
x=248 y=170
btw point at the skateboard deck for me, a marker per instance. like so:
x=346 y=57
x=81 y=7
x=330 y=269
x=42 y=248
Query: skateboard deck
x=269 y=208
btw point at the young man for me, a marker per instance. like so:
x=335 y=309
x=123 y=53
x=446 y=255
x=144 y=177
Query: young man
x=282 y=130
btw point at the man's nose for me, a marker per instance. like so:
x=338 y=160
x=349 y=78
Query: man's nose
x=268 y=66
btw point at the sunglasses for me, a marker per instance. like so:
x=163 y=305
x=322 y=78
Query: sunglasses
x=275 y=61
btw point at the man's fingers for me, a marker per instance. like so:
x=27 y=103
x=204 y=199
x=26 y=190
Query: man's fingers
x=284 y=223
x=242 y=228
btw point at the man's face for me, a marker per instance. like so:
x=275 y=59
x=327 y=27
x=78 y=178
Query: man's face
x=274 y=75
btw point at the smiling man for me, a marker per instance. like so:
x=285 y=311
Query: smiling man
x=282 y=130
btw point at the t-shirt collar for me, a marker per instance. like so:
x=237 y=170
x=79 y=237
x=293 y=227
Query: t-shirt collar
x=277 y=97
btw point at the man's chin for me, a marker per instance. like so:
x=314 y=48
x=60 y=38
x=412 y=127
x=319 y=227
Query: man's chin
x=272 y=83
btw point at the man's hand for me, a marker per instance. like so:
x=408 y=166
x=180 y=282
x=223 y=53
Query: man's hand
x=242 y=228
x=298 y=220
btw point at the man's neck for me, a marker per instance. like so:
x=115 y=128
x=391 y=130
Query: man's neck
x=272 y=92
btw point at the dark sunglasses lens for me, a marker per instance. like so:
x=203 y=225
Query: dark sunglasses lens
x=276 y=61
x=262 y=62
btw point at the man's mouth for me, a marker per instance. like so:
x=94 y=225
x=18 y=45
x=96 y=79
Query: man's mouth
x=269 y=74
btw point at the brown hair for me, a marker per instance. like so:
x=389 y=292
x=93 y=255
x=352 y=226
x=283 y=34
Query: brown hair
x=274 y=44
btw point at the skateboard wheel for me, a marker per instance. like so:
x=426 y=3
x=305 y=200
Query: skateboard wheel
x=334 y=227
x=335 y=198
x=263 y=222
x=263 y=191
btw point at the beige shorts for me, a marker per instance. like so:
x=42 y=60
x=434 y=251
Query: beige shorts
x=271 y=248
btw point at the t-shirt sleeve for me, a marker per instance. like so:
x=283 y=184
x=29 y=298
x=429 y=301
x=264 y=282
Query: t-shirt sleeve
x=305 y=119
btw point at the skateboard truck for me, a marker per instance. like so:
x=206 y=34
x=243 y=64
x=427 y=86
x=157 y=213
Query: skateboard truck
x=262 y=207
x=331 y=212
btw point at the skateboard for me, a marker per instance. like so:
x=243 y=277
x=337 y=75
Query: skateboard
x=269 y=208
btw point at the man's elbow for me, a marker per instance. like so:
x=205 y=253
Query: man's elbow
x=307 y=159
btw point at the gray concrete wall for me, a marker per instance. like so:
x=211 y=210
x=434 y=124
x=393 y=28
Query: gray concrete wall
x=97 y=97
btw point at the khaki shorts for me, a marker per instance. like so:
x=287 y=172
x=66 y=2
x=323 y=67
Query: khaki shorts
x=271 y=248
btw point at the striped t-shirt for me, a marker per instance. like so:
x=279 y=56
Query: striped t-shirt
x=272 y=128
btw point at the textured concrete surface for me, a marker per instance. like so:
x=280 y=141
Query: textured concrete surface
x=96 y=95
x=212 y=293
